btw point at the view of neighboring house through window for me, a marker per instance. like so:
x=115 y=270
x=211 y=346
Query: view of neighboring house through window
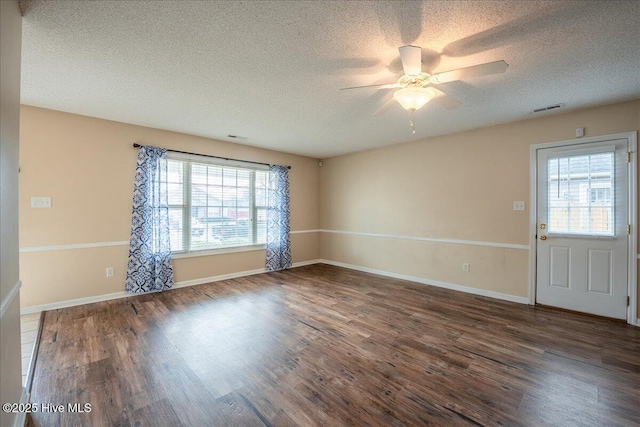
x=581 y=194
x=213 y=206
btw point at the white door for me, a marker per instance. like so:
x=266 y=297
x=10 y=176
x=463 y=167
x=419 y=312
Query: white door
x=582 y=227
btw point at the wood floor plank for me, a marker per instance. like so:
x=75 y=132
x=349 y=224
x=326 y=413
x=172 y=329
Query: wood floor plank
x=321 y=345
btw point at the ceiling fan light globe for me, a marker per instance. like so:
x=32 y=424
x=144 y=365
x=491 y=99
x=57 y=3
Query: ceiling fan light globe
x=413 y=98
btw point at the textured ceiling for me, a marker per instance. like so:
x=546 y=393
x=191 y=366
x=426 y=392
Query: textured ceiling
x=270 y=71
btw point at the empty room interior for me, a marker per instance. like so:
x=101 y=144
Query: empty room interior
x=320 y=213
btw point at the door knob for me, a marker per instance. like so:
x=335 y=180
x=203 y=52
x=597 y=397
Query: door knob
x=543 y=226
x=543 y=237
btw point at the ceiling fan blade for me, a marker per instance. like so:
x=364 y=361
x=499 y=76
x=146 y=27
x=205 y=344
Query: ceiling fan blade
x=489 y=68
x=380 y=86
x=389 y=102
x=411 y=57
x=444 y=100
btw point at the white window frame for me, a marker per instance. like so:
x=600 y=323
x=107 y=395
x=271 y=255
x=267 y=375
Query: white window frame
x=186 y=207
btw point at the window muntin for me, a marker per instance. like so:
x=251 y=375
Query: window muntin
x=581 y=194
x=213 y=206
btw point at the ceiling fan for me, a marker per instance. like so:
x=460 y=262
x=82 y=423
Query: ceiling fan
x=415 y=87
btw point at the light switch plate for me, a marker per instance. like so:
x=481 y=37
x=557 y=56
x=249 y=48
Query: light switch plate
x=518 y=206
x=41 y=202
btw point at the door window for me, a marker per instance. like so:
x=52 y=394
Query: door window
x=581 y=194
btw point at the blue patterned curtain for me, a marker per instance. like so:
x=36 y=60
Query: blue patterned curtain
x=278 y=242
x=149 y=267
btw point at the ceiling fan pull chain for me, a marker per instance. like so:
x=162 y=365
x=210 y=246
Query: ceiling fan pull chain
x=412 y=122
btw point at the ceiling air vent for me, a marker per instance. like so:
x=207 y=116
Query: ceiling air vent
x=550 y=107
x=242 y=138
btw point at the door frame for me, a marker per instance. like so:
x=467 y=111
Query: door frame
x=631 y=137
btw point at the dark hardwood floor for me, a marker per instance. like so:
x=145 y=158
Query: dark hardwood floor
x=326 y=346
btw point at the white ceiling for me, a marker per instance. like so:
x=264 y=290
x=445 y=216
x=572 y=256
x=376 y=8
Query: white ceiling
x=271 y=70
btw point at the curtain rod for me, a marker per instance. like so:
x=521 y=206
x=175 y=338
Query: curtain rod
x=136 y=145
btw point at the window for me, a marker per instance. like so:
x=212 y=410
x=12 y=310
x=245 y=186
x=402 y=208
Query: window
x=214 y=206
x=581 y=198
x=601 y=195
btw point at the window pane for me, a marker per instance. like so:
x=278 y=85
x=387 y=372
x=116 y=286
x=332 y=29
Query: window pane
x=229 y=197
x=601 y=220
x=176 y=198
x=198 y=231
x=214 y=212
x=176 y=194
x=558 y=218
x=198 y=195
x=176 y=229
x=175 y=171
x=215 y=175
x=198 y=173
x=261 y=179
x=261 y=197
x=229 y=177
x=243 y=226
x=244 y=197
x=261 y=218
x=581 y=194
x=244 y=177
x=215 y=195
x=221 y=213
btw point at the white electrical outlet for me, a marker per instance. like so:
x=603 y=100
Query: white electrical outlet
x=109 y=271
x=518 y=206
x=465 y=267
x=41 y=202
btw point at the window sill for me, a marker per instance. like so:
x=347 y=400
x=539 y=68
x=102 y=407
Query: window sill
x=221 y=251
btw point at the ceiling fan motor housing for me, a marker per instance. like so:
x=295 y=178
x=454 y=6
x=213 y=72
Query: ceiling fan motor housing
x=422 y=79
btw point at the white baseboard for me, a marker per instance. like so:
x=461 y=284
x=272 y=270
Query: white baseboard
x=21 y=417
x=117 y=295
x=303 y=263
x=194 y=282
x=467 y=289
x=210 y=279
x=234 y=275
x=73 y=302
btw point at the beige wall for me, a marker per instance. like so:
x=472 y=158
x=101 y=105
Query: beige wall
x=87 y=165
x=460 y=186
x=11 y=41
